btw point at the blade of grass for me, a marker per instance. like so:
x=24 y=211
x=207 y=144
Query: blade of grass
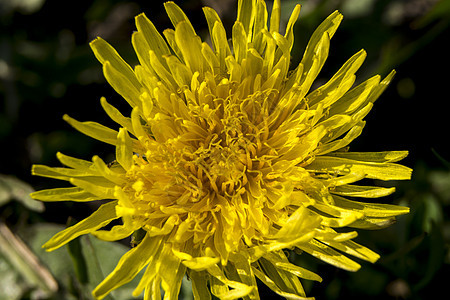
x=25 y=261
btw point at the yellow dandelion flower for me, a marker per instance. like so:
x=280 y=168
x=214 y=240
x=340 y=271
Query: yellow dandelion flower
x=228 y=158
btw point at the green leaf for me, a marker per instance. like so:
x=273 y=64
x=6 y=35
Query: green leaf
x=13 y=188
x=79 y=262
x=22 y=259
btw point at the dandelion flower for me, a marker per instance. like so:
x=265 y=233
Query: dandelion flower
x=229 y=159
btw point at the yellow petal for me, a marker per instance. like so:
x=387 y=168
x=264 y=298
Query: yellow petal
x=275 y=17
x=153 y=38
x=200 y=285
x=212 y=60
x=122 y=84
x=64 y=194
x=106 y=53
x=377 y=157
x=115 y=114
x=329 y=255
x=94 y=130
x=382 y=171
x=128 y=266
x=190 y=46
x=378 y=90
x=107 y=172
x=261 y=18
x=221 y=284
x=181 y=74
x=220 y=43
x=273 y=286
x=201 y=263
x=352 y=134
x=318 y=46
x=239 y=42
x=355 y=98
x=354 y=249
x=176 y=14
x=290 y=25
x=124 y=151
x=299 y=222
x=246 y=15
x=116 y=233
x=75 y=163
x=298 y=271
x=377 y=210
x=59 y=173
x=139 y=130
x=150 y=280
x=370 y=223
x=98 y=186
x=362 y=191
x=339 y=84
x=101 y=217
x=171 y=272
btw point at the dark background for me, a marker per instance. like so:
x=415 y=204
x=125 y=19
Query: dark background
x=47 y=69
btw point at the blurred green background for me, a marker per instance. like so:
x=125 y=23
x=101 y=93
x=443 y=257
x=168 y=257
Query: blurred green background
x=47 y=70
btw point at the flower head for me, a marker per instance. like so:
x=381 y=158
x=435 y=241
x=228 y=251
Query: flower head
x=228 y=158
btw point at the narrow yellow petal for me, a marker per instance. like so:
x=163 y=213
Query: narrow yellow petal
x=317 y=47
x=200 y=285
x=115 y=114
x=211 y=58
x=107 y=172
x=352 y=134
x=139 y=130
x=329 y=255
x=105 y=52
x=128 y=266
x=116 y=233
x=377 y=91
x=124 y=151
x=176 y=14
x=64 y=194
x=239 y=289
x=97 y=186
x=171 y=272
x=180 y=72
x=101 y=217
x=246 y=15
x=376 y=157
x=122 y=84
x=75 y=163
x=169 y=34
x=260 y=25
x=153 y=38
x=285 y=280
x=355 y=98
x=273 y=286
x=190 y=46
x=362 y=191
x=298 y=271
x=218 y=37
x=239 y=42
x=290 y=25
x=201 y=263
x=275 y=16
x=382 y=171
x=339 y=84
x=377 y=210
x=94 y=130
x=354 y=249
x=299 y=222
x=162 y=72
